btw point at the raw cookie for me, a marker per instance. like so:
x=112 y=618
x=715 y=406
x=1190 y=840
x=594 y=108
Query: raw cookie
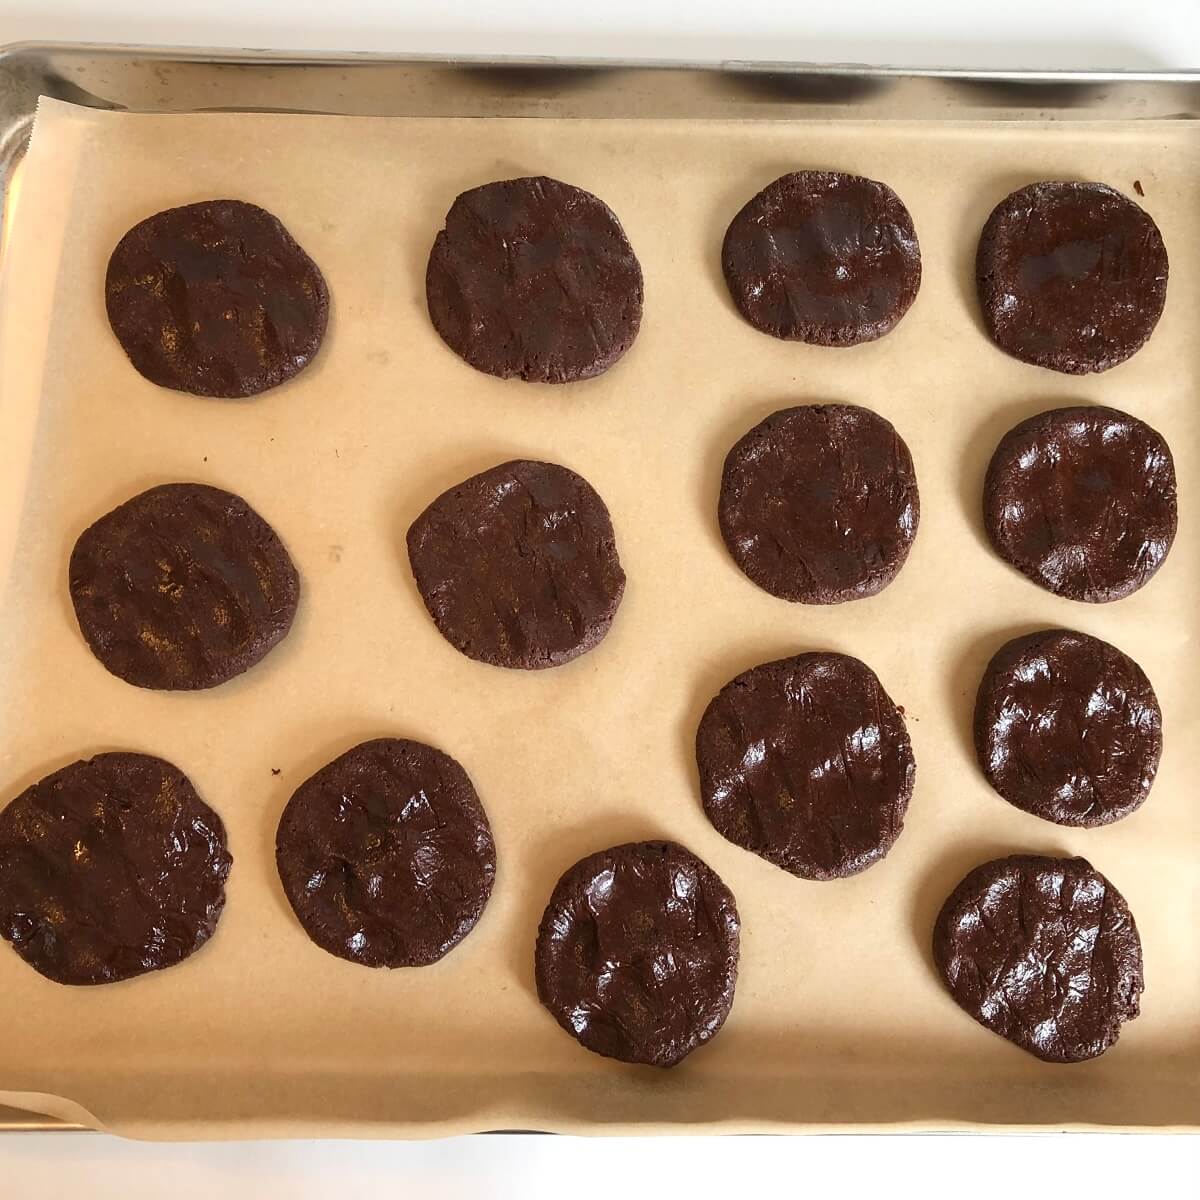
x=386 y=855
x=536 y=279
x=637 y=953
x=1071 y=276
x=1082 y=500
x=216 y=299
x=110 y=868
x=819 y=504
x=1068 y=728
x=518 y=565
x=806 y=762
x=182 y=587
x=1044 y=952
x=823 y=257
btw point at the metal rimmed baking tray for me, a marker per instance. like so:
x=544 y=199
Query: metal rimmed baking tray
x=813 y=101
x=156 y=79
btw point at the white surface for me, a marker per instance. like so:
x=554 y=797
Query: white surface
x=1003 y=34
x=999 y=33
x=537 y=1168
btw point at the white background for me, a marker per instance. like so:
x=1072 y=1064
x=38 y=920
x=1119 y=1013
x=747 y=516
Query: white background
x=982 y=33
x=1003 y=34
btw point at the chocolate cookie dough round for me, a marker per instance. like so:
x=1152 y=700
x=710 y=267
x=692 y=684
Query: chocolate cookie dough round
x=1044 y=952
x=183 y=587
x=807 y=762
x=823 y=257
x=536 y=279
x=1068 y=728
x=110 y=868
x=216 y=299
x=386 y=855
x=518 y=565
x=1071 y=276
x=1082 y=500
x=819 y=504
x=637 y=953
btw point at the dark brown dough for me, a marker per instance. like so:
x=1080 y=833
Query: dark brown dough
x=216 y=299
x=637 y=953
x=1082 y=500
x=824 y=258
x=386 y=855
x=1044 y=952
x=534 y=278
x=182 y=587
x=110 y=868
x=1071 y=276
x=1068 y=728
x=819 y=504
x=807 y=762
x=518 y=565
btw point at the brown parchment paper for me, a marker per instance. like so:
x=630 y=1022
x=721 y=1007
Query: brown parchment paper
x=839 y=1019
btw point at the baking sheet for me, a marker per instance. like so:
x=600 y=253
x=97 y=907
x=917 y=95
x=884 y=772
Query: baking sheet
x=839 y=1019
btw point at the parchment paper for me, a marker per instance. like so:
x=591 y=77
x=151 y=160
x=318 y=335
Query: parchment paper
x=839 y=1018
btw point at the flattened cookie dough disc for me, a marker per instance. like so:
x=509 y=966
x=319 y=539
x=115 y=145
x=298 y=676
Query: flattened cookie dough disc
x=807 y=762
x=216 y=299
x=182 y=587
x=536 y=279
x=1044 y=952
x=518 y=565
x=1068 y=728
x=824 y=258
x=1071 y=276
x=637 y=953
x=386 y=855
x=819 y=504
x=1082 y=500
x=110 y=868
